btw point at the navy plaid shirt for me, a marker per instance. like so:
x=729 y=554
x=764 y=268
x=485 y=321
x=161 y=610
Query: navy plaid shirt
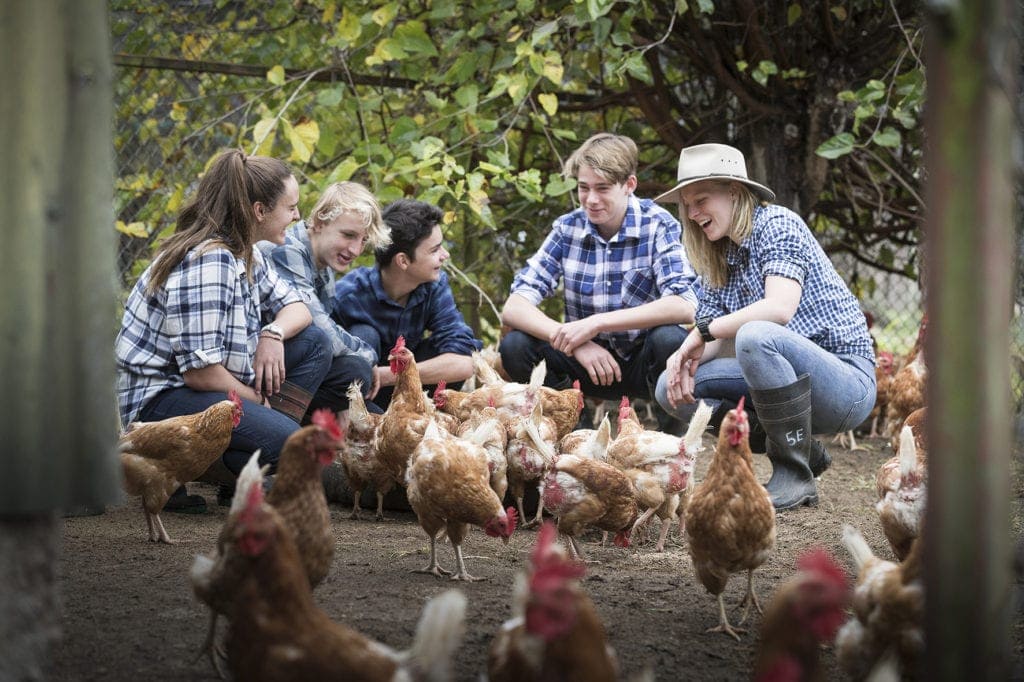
x=781 y=244
x=294 y=262
x=643 y=262
x=206 y=313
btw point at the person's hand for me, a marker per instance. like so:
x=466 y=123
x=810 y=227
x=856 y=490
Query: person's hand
x=269 y=365
x=571 y=335
x=375 y=383
x=601 y=365
x=682 y=368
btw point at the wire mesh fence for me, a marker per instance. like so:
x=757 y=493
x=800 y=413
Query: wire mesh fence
x=179 y=99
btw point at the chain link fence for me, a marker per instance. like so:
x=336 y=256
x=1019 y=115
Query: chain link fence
x=176 y=107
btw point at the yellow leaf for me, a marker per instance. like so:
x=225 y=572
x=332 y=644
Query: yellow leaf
x=303 y=137
x=549 y=102
x=328 y=15
x=517 y=87
x=193 y=47
x=839 y=12
x=348 y=28
x=263 y=135
x=343 y=171
x=276 y=75
x=385 y=15
x=553 y=67
x=174 y=203
x=132 y=229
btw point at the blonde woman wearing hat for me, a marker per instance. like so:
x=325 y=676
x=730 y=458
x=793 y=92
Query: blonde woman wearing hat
x=802 y=350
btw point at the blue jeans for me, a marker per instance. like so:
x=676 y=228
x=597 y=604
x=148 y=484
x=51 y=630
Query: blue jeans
x=261 y=428
x=425 y=350
x=521 y=352
x=769 y=355
x=333 y=391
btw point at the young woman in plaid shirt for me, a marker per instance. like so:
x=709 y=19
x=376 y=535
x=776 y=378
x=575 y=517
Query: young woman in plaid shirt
x=193 y=326
x=802 y=350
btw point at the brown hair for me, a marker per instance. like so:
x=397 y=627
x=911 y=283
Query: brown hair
x=221 y=210
x=708 y=257
x=613 y=157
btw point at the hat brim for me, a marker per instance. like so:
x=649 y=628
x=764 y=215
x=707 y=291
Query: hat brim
x=672 y=196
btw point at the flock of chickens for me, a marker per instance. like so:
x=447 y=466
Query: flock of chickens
x=457 y=455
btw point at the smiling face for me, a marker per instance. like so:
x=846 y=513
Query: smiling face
x=272 y=222
x=604 y=201
x=710 y=205
x=428 y=258
x=339 y=242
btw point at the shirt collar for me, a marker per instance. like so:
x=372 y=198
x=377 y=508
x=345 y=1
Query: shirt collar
x=417 y=294
x=630 y=228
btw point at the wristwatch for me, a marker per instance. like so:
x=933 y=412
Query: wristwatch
x=274 y=330
x=702 y=327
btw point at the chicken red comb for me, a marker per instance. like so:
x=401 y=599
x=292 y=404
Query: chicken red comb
x=399 y=344
x=491 y=402
x=624 y=408
x=818 y=561
x=513 y=517
x=739 y=405
x=252 y=504
x=551 y=568
x=441 y=386
x=325 y=419
x=576 y=384
x=233 y=397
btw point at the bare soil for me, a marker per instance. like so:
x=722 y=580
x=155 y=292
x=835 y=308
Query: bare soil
x=129 y=612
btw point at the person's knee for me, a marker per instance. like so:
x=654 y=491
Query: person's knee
x=682 y=412
x=516 y=351
x=753 y=336
x=369 y=335
x=315 y=345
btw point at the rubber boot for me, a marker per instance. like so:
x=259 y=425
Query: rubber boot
x=757 y=434
x=785 y=413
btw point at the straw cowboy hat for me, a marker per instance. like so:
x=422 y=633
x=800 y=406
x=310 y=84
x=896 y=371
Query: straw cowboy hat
x=713 y=162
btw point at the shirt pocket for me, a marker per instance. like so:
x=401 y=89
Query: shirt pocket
x=637 y=287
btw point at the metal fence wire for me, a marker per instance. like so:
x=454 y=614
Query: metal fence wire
x=172 y=116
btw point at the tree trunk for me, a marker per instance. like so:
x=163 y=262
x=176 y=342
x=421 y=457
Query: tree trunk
x=972 y=61
x=57 y=410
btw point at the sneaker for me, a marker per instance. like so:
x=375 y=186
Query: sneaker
x=180 y=502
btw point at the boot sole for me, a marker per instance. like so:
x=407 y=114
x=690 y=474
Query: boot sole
x=807 y=501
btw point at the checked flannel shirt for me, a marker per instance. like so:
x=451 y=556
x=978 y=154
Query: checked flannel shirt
x=207 y=312
x=643 y=262
x=781 y=244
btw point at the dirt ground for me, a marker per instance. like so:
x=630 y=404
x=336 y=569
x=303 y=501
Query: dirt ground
x=129 y=611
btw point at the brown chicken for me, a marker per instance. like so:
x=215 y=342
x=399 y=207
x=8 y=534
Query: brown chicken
x=158 y=457
x=277 y=633
x=298 y=491
x=902 y=487
x=805 y=612
x=486 y=430
x=527 y=463
x=555 y=632
x=588 y=443
x=660 y=467
x=508 y=398
x=448 y=484
x=582 y=492
x=908 y=388
x=405 y=420
x=563 y=407
x=298 y=496
x=885 y=368
x=730 y=521
x=359 y=456
x=888 y=611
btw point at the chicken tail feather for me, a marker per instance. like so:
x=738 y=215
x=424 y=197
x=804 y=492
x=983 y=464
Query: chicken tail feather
x=857 y=546
x=438 y=634
x=251 y=474
x=698 y=423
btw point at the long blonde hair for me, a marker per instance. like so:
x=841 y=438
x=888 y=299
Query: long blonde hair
x=708 y=257
x=221 y=211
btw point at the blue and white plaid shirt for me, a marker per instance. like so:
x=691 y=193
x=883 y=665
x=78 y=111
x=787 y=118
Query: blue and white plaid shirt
x=781 y=244
x=294 y=262
x=643 y=262
x=206 y=313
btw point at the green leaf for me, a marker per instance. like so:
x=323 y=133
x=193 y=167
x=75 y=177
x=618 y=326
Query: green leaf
x=838 y=12
x=840 y=145
x=549 y=102
x=276 y=75
x=467 y=96
x=382 y=16
x=348 y=27
x=518 y=86
x=263 y=135
x=598 y=8
x=542 y=32
x=386 y=50
x=559 y=185
x=793 y=14
x=414 y=38
x=343 y=171
x=705 y=6
x=331 y=96
x=553 y=69
x=887 y=137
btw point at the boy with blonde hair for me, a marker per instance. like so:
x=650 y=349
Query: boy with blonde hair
x=344 y=220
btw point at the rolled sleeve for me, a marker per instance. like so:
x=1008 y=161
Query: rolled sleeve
x=784 y=253
x=448 y=329
x=199 y=297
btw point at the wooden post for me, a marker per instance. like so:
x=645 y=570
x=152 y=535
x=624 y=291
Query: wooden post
x=972 y=65
x=57 y=319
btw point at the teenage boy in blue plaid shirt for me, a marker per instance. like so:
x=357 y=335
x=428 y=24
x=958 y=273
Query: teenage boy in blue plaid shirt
x=627 y=284
x=769 y=288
